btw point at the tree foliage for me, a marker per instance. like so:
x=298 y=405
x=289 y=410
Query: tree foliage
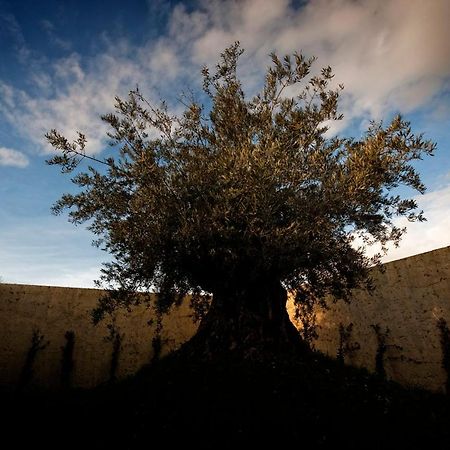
x=236 y=191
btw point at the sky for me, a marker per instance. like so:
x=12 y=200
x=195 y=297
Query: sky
x=62 y=63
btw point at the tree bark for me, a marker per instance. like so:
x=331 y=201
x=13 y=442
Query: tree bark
x=252 y=323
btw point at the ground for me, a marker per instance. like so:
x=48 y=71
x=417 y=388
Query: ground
x=313 y=402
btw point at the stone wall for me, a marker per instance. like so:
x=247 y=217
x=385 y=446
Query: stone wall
x=51 y=312
x=409 y=297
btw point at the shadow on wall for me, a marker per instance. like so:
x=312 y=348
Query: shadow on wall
x=66 y=350
x=445 y=346
x=67 y=362
x=37 y=345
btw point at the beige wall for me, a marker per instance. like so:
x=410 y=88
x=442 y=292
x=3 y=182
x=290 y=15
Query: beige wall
x=409 y=298
x=54 y=311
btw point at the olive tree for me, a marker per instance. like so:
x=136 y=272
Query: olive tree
x=237 y=201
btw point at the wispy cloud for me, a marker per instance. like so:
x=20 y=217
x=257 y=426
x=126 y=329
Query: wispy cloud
x=14 y=158
x=53 y=37
x=392 y=56
x=75 y=102
x=10 y=28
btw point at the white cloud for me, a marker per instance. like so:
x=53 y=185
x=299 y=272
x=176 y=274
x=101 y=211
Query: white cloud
x=78 y=99
x=67 y=276
x=76 y=92
x=62 y=274
x=422 y=236
x=390 y=55
x=62 y=256
x=10 y=157
x=429 y=235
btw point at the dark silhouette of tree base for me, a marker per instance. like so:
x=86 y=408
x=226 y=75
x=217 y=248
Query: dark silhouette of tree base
x=251 y=324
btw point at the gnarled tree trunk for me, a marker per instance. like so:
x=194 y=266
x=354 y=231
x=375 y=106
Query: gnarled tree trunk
x=251 y=322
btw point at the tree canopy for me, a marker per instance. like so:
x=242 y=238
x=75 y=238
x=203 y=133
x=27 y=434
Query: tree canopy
x=235 y=193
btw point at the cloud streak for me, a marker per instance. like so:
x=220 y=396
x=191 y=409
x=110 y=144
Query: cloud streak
x=14 y=158
x=9 y=27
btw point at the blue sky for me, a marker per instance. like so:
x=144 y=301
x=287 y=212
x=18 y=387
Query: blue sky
x=62 y=63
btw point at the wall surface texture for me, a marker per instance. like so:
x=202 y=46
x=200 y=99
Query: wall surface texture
x=47 y=337
x=51 y=312
x=409 y=298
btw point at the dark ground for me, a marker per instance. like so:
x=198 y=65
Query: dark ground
x=315 y=403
